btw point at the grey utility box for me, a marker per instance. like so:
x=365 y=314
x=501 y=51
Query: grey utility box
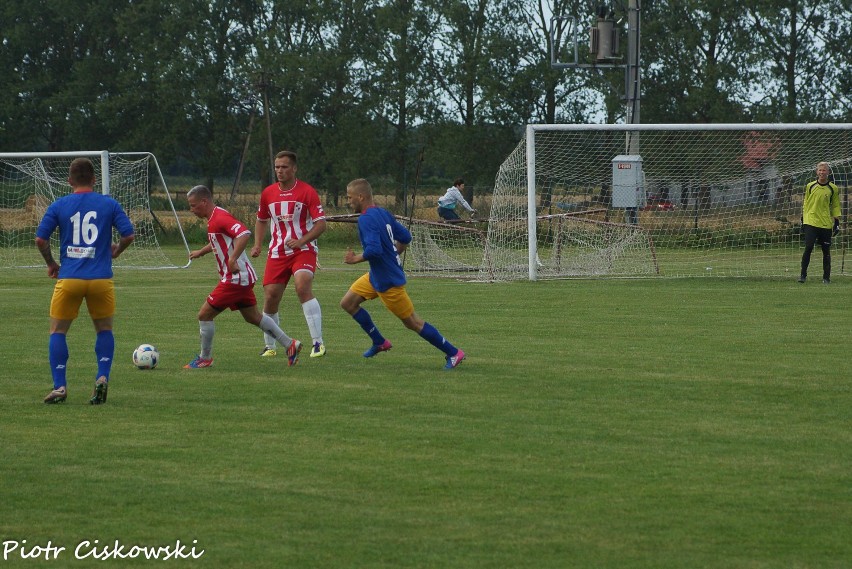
x=628 y=182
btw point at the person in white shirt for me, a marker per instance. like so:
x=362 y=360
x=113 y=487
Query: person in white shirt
x=447 y=203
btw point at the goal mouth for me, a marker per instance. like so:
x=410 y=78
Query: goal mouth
x=578 y=244
x=30 y=182
x=437 y=248
x=684 y=200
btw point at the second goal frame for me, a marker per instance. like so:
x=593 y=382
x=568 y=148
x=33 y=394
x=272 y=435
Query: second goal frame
x=728 y=185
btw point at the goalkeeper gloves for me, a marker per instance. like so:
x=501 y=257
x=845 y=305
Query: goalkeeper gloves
x=836 y=227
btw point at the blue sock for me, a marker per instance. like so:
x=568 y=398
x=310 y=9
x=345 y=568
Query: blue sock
x=105 y=350
x=431 y=335
x=57 y=349
x=362 y=317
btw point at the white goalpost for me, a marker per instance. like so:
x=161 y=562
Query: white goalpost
x=31 y=181
x=669 y=200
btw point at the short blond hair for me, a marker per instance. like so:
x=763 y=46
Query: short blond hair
x=360 y=186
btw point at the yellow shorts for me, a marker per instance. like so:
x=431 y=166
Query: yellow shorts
x=395 y=298
x=68 y=295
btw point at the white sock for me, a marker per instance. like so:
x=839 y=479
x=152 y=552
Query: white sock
x=268 y=325
x=208 y=329
x=313 y=316
x=268 y=339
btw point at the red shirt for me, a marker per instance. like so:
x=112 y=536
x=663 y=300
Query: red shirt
x=292 y=213
x=222 y=229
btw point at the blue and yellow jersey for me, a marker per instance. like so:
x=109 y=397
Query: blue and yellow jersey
x=85 y=221
x=378 y=229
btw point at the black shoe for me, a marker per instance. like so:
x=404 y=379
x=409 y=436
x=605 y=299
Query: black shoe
x=826 y=281
x=802 y=279
x=99 y=395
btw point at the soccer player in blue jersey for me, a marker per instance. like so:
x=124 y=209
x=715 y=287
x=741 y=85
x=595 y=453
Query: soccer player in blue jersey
x=383 y=238
x=85 y=220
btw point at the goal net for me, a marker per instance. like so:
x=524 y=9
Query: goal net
x=30 y=182
x=436 y=249
x=444 y=249
x=673 y=200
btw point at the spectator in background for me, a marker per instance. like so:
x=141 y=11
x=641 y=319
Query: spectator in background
x=453 y=197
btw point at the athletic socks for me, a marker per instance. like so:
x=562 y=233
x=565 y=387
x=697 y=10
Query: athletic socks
x=431 y=335
x=105 y=351
x=313 y=316
x=271 y=329
x=269 y=339
x=58 y=356
x=363 y=318
x=208 y=330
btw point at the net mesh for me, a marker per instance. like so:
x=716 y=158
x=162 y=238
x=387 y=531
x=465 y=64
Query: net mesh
x=713 y=201
x=28 y=185
x=443 y=249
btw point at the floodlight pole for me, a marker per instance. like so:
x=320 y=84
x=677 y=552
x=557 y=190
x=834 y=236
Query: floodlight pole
x=632 y=75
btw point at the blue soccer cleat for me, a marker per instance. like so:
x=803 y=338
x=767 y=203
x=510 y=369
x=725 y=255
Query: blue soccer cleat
x=454 y=361
x=376 y=348
x=198 y=362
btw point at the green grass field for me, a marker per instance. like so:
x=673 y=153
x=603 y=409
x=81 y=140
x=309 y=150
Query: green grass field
x=658 y=423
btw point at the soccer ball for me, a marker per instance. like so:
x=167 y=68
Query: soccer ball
x=146 y=356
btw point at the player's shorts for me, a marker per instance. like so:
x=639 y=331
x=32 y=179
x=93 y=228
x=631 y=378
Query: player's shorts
x=279 y=271
x=395 y=298
x=813 y=234
x=233 y=296
x=68 y=295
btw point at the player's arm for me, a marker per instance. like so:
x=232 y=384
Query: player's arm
x=352 y=258
x=316 y=231
x=461 y=200
x=834 y=204
x=240 y=244
x=43 y=246
x=123 y=243
x=201 y=252
x=400 y=234
x=260 y=227
x=370 y=231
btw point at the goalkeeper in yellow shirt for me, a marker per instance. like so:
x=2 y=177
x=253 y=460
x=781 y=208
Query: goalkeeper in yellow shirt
x=820 y=220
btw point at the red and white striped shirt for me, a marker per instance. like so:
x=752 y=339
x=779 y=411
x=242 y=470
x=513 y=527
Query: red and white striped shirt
x=292 y=213
x=222 y=229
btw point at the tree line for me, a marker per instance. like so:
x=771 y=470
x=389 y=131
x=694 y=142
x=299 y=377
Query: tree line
x=399 y=91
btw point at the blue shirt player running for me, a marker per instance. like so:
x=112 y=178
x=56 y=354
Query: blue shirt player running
x=383 y=238
x=85 y=220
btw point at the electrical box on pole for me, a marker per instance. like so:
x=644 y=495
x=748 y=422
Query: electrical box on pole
x=604 y=46
x=604 y=38
x=628 y=186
